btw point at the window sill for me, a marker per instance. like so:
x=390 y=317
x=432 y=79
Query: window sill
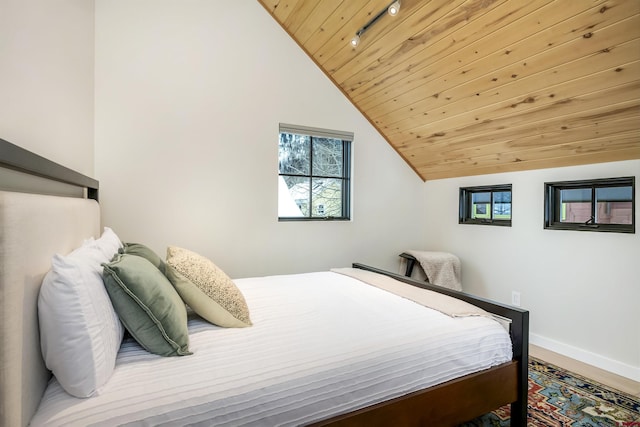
x=607 y=228
x=498 y=222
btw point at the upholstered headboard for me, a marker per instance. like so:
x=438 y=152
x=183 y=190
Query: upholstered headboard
x=33 y=228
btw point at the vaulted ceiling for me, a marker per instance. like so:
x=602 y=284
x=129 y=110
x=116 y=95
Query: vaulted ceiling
x=469 y=87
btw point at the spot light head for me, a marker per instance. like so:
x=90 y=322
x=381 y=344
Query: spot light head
x=394 y=8
x=355 y=41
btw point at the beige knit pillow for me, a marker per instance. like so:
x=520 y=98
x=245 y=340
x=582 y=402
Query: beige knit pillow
x=206 y=289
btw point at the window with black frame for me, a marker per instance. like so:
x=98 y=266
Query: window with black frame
x=314 y=173
x=488 y=205
x=591 y=205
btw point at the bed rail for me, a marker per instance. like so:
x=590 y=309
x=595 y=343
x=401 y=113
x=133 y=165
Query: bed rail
x=519 y=332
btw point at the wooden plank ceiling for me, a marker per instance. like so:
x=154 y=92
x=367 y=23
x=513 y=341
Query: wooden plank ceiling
x=469 y=87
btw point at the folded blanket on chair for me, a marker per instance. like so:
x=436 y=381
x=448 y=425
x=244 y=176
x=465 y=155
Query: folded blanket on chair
x=442 y=268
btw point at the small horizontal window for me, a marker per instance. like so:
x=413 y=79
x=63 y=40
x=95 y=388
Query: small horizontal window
x=591 y=205
x=488 y=205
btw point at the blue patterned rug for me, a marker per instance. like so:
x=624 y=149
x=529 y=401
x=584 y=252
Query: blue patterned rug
x=561 y=398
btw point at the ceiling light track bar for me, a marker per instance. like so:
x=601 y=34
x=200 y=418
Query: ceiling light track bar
x=392 y=9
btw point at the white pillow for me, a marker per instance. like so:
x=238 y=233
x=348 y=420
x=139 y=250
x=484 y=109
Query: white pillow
x=109 y=243
x=80 y=333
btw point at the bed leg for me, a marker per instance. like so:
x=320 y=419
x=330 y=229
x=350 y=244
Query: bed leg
x=518 y=415
x=521 y=353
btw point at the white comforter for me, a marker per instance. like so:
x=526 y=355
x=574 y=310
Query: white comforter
x=321 y=344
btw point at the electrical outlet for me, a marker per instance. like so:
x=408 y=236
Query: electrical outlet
x=515 y=298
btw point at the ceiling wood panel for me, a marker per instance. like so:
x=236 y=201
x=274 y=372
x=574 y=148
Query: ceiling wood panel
x=439 y=151
x=416 y=69
x=325 y=32
x=522 y=38
x=280 y=9
x=317 y=17
x=467 y=87
x=533 y=127
x=453 y=87
x=300 y=15
x=387 y=41
x=552 y=162
x=559 y=97
x=592 y=146
x=531 y=134
x=546 y=138
x=343 y=34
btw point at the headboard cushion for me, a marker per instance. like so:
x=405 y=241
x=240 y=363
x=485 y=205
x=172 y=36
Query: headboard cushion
x=32 y=229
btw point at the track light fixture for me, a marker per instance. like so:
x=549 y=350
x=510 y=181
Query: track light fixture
x=392 y=9
x=355 y=41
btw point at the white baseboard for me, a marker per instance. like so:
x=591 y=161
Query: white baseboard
x=593 y=359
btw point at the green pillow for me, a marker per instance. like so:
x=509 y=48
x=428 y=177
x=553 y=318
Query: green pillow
x=207 y=289
x=139 y=249
x=147 y=304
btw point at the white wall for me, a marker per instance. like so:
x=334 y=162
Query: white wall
x=46 y=79
x=189 y=96
x=582 y=288
x=188 y=101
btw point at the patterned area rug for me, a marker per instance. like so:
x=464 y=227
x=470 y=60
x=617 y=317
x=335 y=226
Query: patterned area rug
x=561 y=398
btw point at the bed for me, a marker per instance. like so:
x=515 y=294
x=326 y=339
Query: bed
x=352 y=379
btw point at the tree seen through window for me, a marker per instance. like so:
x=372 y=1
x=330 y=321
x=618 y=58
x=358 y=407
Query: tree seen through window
x=314 y=174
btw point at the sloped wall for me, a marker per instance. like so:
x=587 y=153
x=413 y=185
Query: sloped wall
x=189 y=96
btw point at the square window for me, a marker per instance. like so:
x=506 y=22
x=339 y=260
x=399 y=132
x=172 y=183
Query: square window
x=314 y=173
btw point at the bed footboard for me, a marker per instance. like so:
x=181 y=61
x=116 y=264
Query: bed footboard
x=512 y=374
x=447 y=404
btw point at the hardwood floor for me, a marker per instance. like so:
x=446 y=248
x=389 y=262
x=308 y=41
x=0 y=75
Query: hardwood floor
x=612 y=380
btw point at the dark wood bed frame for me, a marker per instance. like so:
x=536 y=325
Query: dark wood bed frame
x=461 y=399
x=447 y=404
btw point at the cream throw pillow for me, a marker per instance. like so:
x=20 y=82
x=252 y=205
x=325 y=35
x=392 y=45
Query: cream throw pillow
x=206 y=289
